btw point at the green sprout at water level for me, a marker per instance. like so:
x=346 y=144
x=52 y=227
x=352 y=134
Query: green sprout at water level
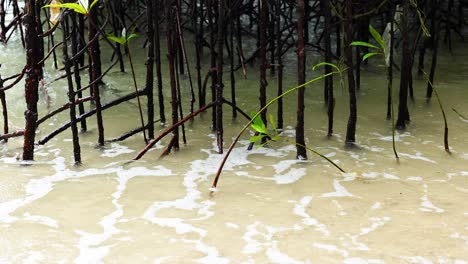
x=123 y=40
x=81 y=6
x=261 y=127
x=271 y=136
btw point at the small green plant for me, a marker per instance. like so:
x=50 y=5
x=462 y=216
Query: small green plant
x=272 y=135
x=81 y=6
x=124 y=40
x=380 y=50
x=261 y=127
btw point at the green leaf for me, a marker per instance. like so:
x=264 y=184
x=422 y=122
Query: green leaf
x=260 y=128
x=133 y=35
x=92 y=4
x=326 y=64
x=120 y=40
x=272 y=121
x=370 y=54
x=257 y=120
x=74 y=6
x=365 y=44
x=377 y=36
x=276 y=138
x=254 y=139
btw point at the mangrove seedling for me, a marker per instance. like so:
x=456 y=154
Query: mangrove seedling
x=262 y=133
x=81 y=6
x=123 y=40
x=381 y=50
x=258 y=113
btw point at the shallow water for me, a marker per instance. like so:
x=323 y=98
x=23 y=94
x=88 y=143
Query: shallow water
x=269 y=207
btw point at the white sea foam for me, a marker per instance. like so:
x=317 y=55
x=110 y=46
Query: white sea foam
x=416 y=156
x=232 y=225
x=417 y=260
x=34 y=257
x=340 y=191
x=390 y=176
x=331 y=248
x=44 y=220
x=414 y=178
x=376 y=223
x=300 y=210
x=362 y=261
x=276 y=256
x=257 y=242
x=427 y=205
x=376 y=205
x=116 y=150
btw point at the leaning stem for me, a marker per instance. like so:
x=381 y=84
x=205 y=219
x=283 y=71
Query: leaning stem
x=391 y=111
x=446 y=145
x=137 y=96
x=317 y=153
x=236 y=139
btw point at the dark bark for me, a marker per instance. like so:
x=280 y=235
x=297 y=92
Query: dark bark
x=17 y=13
x=150 y=67
x=403 y=114
x=390 y=71
x=179 y=100
x=157 y=47
x=435 y=47
x=219 y=77
x=18 y=133
x=4 y=107
x=232 y=77
x=198 y=16
x=262 y=27
x=115 y=9
x=279 y=59
x=71 y=95
x=95 y=72
x=300 y=141
x=3 y=28
x=170 y=129
x=328 y=89
x=51 y=42
x=171 y=56
x=213 y=29
x=90 y=113
x=183 y=54
x=33 y=74
x=75 y=47
x=63 y=108
x=351 y=127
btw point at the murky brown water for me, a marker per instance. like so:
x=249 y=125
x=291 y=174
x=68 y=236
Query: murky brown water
x=270 y=208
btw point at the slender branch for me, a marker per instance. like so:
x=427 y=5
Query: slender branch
x=236 y=139
x=170 y=129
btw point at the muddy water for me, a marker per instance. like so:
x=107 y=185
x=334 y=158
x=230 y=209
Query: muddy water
x=269 y=207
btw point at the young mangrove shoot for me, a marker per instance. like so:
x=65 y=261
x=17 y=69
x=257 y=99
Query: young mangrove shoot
x=123 y=40
x=257 y=115
x=381 y=50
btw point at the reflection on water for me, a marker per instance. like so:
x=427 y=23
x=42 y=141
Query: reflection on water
x=270 y=208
